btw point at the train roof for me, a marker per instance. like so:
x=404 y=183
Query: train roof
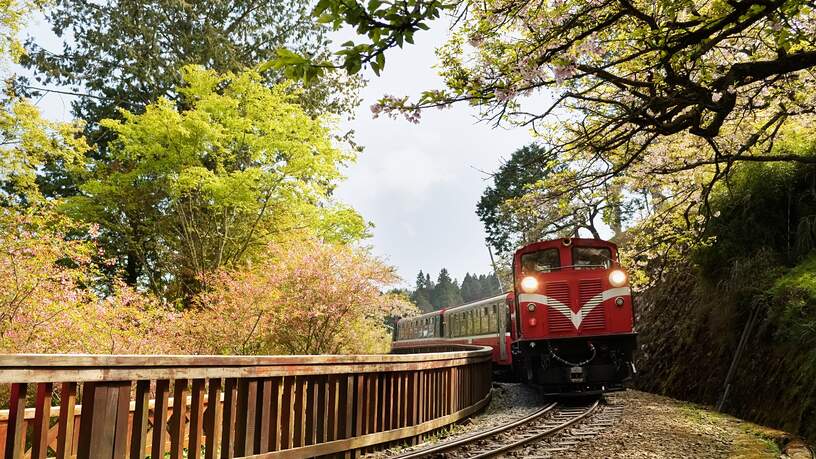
x=568 y=241
x=471 y=304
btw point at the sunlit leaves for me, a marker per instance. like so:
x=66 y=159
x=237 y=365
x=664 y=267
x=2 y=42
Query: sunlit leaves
x=27 y=143
x=191 y=190
x=384 y=24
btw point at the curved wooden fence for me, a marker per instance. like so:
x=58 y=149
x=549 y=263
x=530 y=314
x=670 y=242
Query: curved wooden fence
x=106 y=406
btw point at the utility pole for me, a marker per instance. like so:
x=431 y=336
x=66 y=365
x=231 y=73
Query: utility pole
x=495 y=271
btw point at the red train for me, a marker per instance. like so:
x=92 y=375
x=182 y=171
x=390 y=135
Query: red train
x=568 y=324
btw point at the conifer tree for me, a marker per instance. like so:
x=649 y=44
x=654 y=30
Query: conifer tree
x=422 y=294
x=446 y=291
x=471 y=288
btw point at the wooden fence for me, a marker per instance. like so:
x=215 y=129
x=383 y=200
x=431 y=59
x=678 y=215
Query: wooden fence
x=107 y=406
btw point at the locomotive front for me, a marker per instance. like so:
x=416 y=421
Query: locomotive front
x=572 y=316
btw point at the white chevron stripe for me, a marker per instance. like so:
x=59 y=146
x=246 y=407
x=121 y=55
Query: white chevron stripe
x=575 y=317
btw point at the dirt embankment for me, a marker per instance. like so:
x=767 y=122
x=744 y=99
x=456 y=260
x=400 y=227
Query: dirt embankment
x=688 y=337
x=653 y=426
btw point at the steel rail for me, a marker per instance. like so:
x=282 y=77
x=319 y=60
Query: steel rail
x=476 y=436
x=547 y=433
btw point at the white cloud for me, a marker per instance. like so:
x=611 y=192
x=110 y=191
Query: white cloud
x=419 y=183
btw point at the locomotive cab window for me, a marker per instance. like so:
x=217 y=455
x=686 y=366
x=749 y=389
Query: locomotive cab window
x=591 y=257
x=541 y=261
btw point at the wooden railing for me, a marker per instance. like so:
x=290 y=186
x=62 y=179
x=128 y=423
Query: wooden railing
x=106 y=406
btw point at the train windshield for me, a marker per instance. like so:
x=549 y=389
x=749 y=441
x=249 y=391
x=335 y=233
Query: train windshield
x=591 y=257
x=542 y=261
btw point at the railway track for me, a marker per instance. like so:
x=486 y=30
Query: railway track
x=553 y=429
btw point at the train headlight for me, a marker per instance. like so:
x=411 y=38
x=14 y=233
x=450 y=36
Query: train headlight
x=617 y=278
x=529 y=284
x=531 y=307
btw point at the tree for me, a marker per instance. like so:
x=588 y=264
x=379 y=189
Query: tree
x=188 y=191
x=126 y=54
x=12 y=15
x=47 y=300
x=446 y=291
x=306 y=297
x=30 y=142
x=471 y=288
x=489 y=285
x=421 y=296
x=669 y=96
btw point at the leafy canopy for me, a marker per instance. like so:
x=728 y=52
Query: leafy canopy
x=29 y=142
x=128 y=53
x=189 y=190
x=669 y=95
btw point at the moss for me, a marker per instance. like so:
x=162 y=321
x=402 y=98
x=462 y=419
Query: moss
x=801 y=278
x=794 y=303
x=748 y=440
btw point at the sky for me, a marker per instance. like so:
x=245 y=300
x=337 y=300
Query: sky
x=417 y=183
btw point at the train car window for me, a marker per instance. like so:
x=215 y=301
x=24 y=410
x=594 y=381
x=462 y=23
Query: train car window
x=477 y=317
x=455 y=325
x=591 y=257
x=541 y=261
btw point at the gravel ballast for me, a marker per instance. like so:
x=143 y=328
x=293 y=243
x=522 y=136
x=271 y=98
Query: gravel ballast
x=651 y=426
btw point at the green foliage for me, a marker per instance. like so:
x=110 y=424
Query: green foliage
x=385 y=24
x=526 y=167
x=421 y=296
x=795 y=303
x=127 y=54
x=765 y=207
x=651 y=101
x=12 y=16
x=446 y=292
x=29 y=143
x=187 y=191
x=131 y=52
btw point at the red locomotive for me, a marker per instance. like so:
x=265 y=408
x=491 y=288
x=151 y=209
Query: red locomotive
x=568 y=324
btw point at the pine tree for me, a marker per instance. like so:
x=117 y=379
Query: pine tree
x=446 y=291
x=422 y=294
x=471 y=288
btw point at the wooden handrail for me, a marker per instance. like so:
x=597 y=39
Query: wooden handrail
x=121 y=406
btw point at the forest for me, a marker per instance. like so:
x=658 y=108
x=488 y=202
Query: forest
x=188 y=206
x=196 y=182
x=429 y=295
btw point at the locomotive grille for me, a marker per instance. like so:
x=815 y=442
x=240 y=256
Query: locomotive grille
x=587 y=291
x=558 y=323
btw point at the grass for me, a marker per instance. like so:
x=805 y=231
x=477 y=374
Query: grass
x=748 y=440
